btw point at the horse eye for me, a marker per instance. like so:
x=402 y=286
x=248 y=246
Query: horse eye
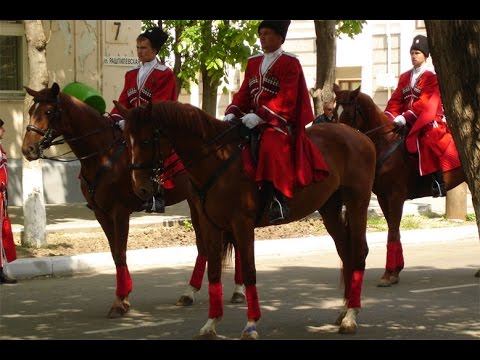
x=48 y=112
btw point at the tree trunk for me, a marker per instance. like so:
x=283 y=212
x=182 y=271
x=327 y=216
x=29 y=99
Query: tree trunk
x=326 y=44
x=209 y=95
x=35 y=219
x=455 y=48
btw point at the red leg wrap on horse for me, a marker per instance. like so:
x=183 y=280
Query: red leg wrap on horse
x=124 y=281
x=215 y=293
x=356 y=289
x=238 y=269
x=198 y=272
x=399 y=263
x=391 y=255
x=252 y=301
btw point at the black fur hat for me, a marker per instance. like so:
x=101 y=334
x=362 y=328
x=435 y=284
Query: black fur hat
x=420 y=43
x=1 y=123
x=156 y=36
x=279 y=26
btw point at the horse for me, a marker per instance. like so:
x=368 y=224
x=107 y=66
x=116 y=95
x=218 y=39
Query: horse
x=105 y=179
x=396 y=174
x=227 y=200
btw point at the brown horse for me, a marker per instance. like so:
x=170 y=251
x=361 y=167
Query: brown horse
x=227 y=200
x=105 y=178
x=396 y=177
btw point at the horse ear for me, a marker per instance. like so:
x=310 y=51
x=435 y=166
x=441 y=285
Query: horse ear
x=336 y=88
x=30 y=91
x=55 y=89
x=122 y=110
x=355 y=92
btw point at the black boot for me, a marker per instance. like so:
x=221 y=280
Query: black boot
x=279 y=209
x=154 y=204
x=438 y=185
x=4 y=279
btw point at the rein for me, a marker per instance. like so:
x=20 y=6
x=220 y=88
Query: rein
x=49 y=139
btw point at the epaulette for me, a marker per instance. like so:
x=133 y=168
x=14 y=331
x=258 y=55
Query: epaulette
x=290 y=54
x=160 y=67
x=254 y=56
x=135 y=68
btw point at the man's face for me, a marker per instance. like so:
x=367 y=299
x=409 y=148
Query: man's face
x=270 y=40
x=418 y=58
x=145 y=52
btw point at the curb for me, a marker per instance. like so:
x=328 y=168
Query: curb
x=175 y=256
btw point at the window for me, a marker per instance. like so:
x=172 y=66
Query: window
x=349 y=84
x=419 y=24
x=11 y=59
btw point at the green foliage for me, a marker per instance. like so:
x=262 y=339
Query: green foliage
x=187 y=224
x=350 y=27
x=471 y=217
x=207 y=47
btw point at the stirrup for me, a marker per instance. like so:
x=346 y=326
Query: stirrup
x=438 y=189
x=277 y=211
x=155 y=204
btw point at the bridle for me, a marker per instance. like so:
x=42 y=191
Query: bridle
x=48 y=135
x=158 y=170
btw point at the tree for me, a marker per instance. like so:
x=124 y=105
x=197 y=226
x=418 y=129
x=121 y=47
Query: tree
x=207 y=47
x=35 y=219
x=327 y=32
x=455 y=48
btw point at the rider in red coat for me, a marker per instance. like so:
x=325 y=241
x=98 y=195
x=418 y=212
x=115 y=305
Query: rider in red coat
x=152 y=81
x=7 y=245
x=274 y=97
x=416 y=103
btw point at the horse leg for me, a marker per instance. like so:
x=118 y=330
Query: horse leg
x=357 y=251
x=336 y=226
x=392 y=209
x=215 y=287
x=244 y=236
x=238 y=296
x=117 y=235
x=196 y=279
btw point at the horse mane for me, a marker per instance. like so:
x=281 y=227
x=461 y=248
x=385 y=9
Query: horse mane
x=373 y=110
x=187 y=117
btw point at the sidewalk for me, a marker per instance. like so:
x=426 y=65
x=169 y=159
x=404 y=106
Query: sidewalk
x=77 y=217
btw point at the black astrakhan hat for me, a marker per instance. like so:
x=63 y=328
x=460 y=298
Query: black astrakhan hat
x=420 y=43
x=279 y=26
x=156 y=36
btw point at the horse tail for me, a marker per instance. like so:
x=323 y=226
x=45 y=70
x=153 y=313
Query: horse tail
x=227 y=249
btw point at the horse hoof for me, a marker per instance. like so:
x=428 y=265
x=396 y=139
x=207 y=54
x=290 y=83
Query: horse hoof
x=346 y=330
x=208 y=335
x=340 y=318
x=384 y=282
x=394 y=280
x=117 y=312
x=184 y=301
x=238 y=298
x=252 y=335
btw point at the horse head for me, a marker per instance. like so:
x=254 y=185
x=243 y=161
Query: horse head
x=147 y=146
x=45 y=115
x=347 y=107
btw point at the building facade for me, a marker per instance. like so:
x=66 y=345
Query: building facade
x=99 y=52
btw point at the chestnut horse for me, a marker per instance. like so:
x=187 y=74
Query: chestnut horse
x=227 y=200
x=105 y=178
x=396 y=176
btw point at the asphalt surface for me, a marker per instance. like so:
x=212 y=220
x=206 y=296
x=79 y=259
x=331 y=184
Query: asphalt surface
x=77 y=217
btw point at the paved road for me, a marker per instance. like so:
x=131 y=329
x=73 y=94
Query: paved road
x=437 y=298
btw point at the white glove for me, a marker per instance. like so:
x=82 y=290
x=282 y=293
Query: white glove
x=228 y=117
x=251 y=120
x=400 y=121
x=121 y=124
